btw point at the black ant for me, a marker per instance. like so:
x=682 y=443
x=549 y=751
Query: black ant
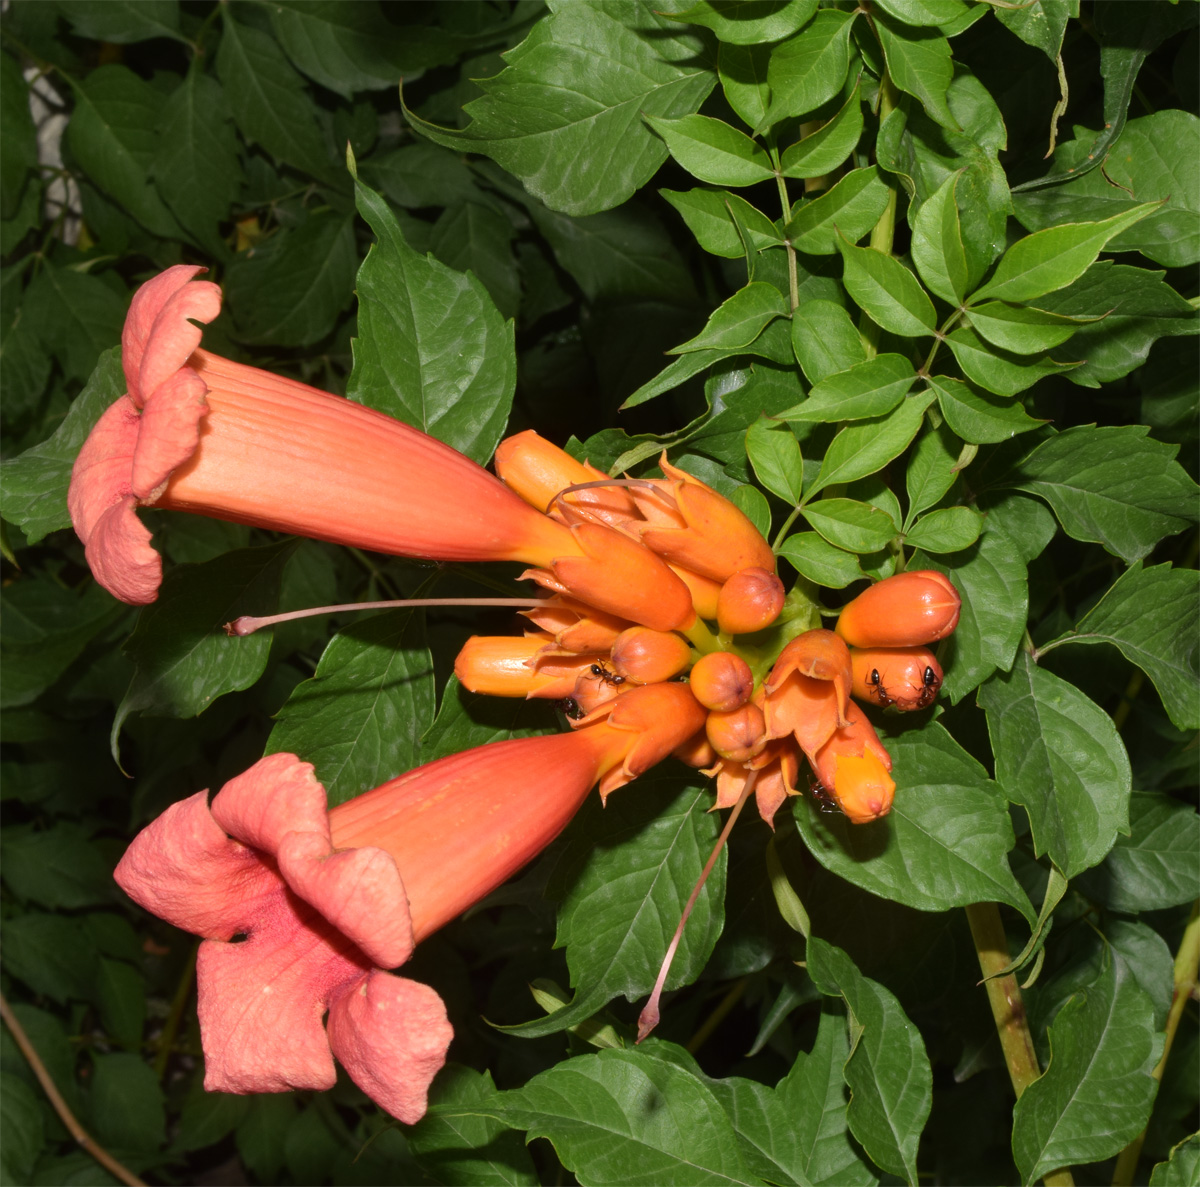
x=570 y=708
x=602 y=673
x=881 y=698
x=823 y=797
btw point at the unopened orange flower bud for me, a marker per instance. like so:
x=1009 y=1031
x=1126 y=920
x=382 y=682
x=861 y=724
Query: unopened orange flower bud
x=701 y=530
x=853 y=767
x=808 y=690
x=647 y=656
x=906 y=610
x=537 y=470
x=697 y=752
x=508 y=666
x=722 y=681
x=907 y=677
x=704 y=590
x=749 y=601
x=620 y=576
x=737 y=734
x=652 y=721
x=577 y=626
x=596 y=685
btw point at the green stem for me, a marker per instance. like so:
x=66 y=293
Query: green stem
x=884 y=232
x=781 y=535
x=786 y=207
x=701 y=637
x=1008 y=1009
x=183 y=991
x=1187 y=972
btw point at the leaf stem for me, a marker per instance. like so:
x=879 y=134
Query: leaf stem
x=1008 y=1009
x=793 y=273
x=787 y=523
x=1187 y=973
x=86 y=1142
x=183 y=991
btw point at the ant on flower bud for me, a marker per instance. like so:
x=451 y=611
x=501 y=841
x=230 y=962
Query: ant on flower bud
x=609 y=677
x=823 y=797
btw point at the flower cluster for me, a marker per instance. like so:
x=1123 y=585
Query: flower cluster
x=302 y=909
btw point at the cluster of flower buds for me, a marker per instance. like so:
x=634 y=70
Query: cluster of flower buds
x=589 y=659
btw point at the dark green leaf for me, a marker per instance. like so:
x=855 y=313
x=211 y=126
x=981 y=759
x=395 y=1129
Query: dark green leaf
x=739 y=319
x=20 y=138
x=196 y=165
x=21 y=1116
x=887 y=291
x=752 y=503
x=848 y=524
x=1115 y=486
x=58 y=867
x=919 y=62
x=891 y=1086
x=775 y=455
x=707 y=214
x=809 y=68
x=1155 y=866
x=120 y=996
x=937 y=246
x=829 y=146
x=863 y=448
x=624 y=1117
x=930 y=472
x=566 y=123
x=1021 y=329
x=1041 y=25
x=949 y=530
x=51 y=954
x=850 y=210
x=926 y=12
x=468 y=719
x=868 y=389
x=821 y=562
x=636 y=861
x=1153 y=616
x=432 y=349
x=290 y=291
x=35 y=484
x=268 y=99
x=945 y=841
x=997 y=370
x=183 y=660
x=713 y=151
x=476 y=237
x=77 y=317
x=674 y=374
x=113 y=134
x=1182 y=1167
x=123 y=21
x=360 y=719
x=420 y=174
x=457 y=1143
x=825 y=340
x=743 y=74
x=979 y=417
x=1097 y=1092
x=1059 y=755
x=991 y=578
x=128 y=1109
x=749 y=22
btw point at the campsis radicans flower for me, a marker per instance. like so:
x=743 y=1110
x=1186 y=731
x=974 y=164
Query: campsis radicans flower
x=302 y=909
x=910 y=609
x=905 y=677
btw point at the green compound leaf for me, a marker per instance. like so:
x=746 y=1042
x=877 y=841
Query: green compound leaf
x=868 y=389
x=950 y=529
x=991 y=577
x=749 y=22
x=1114 y=486
x=738 y=320
x=829 y=146
x=927 y=12
x=124 y=22
x=1051 y=259
x=821 y=562
x=1097 y=1092
x=1153 y=616
x=825 y=340
x=850 y=210
x=183 y=660
x=775 y=455
x=75 y=315
x=891 y=1085
x=930 y=472
x=574 y=133
x=1155 y=866
x=979 y=417
x=743 y=73
x=625 y=1117
x=1182 y=1168
x=360 y=718
x=863 y=448
x=1021 y=329
x=632 y=867
x=943 y=845
x=433 y=350
x=808 y=69
x=752 y=503
x=937 y=245
x=854 y=526
x=34 y=485
x=887 y=291
x=919 y=62
x=1059 y=755
x=713 y=151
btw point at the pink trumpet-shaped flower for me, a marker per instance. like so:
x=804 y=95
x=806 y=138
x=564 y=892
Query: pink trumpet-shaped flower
x=196 y=432
x=301 y=909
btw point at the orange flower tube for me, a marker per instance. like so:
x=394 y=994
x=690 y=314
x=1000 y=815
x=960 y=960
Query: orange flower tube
x=852 y=768
x=196 y=432
x=910 y=609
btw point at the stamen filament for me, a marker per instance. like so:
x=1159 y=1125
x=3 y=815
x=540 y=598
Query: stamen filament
x=248 y=624
x=649 y=1017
